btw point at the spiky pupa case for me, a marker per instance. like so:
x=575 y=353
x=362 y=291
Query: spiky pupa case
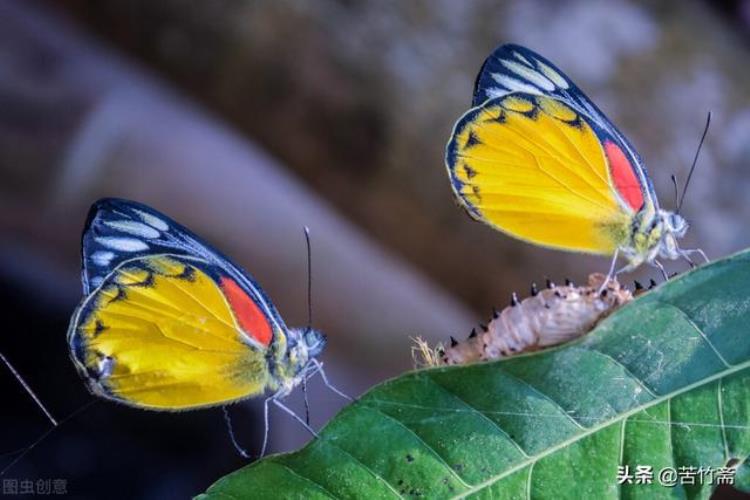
x=548 y=317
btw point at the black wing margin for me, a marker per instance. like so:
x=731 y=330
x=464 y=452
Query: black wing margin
x=515 y=69
x=117 y=230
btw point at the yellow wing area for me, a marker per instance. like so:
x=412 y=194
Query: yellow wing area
x=159 y=334
x=532 y=167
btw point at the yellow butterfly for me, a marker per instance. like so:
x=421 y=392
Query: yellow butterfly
x=168 y=323
x=536 y=159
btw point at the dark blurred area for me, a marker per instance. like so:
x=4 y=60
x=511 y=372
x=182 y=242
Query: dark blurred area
x=248 y=120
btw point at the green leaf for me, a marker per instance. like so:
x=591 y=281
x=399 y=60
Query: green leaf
x=664 y=382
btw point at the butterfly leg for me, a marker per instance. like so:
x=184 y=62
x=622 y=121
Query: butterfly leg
x=319 y=367
x=659 y=266
x=695 y=250
x=702 y=254
x=687 y=258
x=611 y=273
x=296 y=417
x=243 y=453
x=265 y=426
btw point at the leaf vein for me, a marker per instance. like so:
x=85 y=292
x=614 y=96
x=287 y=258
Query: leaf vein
x=622 y=453
x=720 y=403
x=625 y=369
x=306 y=479
x=364 y=466
x=592 y=430
x=422 y=441
x=543 y=396
x=473 y=409
x=528 y=481
x=687 y=318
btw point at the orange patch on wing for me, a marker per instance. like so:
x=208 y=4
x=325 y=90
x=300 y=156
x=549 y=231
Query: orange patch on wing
x=248 y=314
x=623 y=175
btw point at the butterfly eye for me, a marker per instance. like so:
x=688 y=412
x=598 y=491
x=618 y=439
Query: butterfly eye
x=315 y=342
x=677 y=224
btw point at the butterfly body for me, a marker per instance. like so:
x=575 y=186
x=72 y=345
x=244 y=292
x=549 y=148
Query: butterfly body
x=168 y=323
x=654 y=237
x=536 y=159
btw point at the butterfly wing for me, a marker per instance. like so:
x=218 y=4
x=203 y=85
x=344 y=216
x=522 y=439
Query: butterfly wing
x=537 y=159
x=512 y=68
x=162 y=332
x=118 y=230
x=167 y=322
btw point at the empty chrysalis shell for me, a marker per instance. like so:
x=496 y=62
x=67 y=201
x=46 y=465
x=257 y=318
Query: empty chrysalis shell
x=548 y=317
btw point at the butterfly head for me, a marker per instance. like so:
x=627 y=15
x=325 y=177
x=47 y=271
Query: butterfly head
x=656 y=236
x=314 y=340
x=673 y=227
x=303 y=344
x=674 y=224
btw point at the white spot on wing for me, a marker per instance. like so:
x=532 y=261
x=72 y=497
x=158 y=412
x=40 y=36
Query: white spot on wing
x=152 y=220
x=102 y=258
x=95 y=281
x=496 y=92
x=553 y=75
x=515 y=85
x=122 y=244
x=106 y=365
x=133 y=227
x=529 y=74
x=520 y=56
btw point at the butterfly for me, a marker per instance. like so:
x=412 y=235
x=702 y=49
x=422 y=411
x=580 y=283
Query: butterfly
x=169 y=323
x=536 y=159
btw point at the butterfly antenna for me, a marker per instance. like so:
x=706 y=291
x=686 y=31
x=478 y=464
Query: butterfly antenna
x=695 y=162
x=28 y=390
x=25 y=451
x=309 y=315
x=676 y=190
x=309 y=278
x=307 y=401
x=243 y=453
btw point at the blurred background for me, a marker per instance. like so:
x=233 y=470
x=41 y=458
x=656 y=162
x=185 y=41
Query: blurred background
x=247 y=120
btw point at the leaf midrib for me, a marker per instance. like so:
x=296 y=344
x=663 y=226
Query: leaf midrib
x=549 y=451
